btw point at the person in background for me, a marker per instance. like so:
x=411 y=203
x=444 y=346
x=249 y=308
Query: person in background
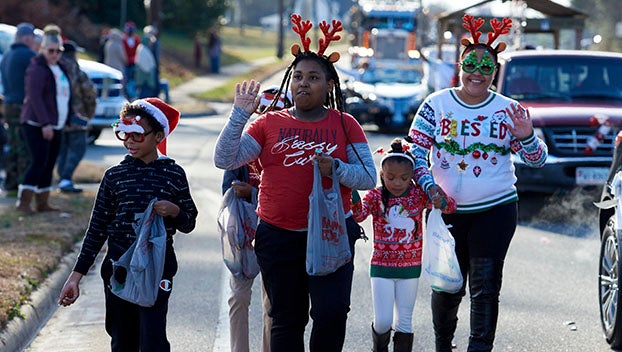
x=124 y=193
x=397 y=209
x=469 y=135
x=13 y=68
x=145 y=68
x=318 y=118
x=154 y=44
x=103 y=39
x=114 y=53
x=243 y=180
x=74 y=136
x=130 y=45
x=47 y=107
x=214 y=50
x=197 y=51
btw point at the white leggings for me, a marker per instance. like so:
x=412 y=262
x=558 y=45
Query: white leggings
x=393 y=295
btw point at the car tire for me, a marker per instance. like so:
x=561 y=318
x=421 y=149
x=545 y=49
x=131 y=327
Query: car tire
x=609 y=281
x=93 y=135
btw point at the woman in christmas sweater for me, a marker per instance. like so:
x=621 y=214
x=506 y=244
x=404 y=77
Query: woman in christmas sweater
x=397 y=209
x=467 y=135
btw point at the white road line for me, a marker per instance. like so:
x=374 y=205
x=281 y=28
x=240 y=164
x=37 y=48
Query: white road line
x=222 y=343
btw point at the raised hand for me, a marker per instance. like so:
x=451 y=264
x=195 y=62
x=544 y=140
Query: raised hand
x=247 y=96
x=522 y=121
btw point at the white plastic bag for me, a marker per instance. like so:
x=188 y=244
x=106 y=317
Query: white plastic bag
x=328 y=246
x=143 y=262
x=439 y=265
x=237 y=223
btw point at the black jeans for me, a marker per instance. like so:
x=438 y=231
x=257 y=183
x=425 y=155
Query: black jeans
x=133 y=328
x=281 y=255
x=43 y=155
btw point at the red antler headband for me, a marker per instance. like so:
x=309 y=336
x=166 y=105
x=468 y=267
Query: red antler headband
x=498 y=28
x=303 y=27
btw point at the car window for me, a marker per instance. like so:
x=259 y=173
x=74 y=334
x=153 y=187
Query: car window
x=391 y=75
x=6 y=39
x=564 y=78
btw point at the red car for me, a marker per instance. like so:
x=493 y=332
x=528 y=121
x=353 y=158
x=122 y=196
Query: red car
x=575 y=101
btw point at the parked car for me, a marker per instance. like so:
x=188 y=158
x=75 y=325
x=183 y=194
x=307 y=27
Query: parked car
x=575 y=101
x=609 y=270
x=386 y=93
x=107 y=80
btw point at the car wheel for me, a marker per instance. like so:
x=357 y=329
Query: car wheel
x=93 y=135
x=609 y=284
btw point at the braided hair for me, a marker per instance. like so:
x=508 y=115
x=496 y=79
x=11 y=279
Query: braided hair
x=334 y=98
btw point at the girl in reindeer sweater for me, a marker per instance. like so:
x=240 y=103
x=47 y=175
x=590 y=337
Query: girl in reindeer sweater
x=397 y=211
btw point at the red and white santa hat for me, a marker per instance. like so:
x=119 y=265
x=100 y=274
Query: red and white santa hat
x=267 y=96
x=166 y=115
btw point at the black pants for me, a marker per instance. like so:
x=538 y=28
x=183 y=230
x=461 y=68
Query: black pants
x=281 y=255
x=43 y=155
x=133 y=328
x=482 y=242
x=485 y=234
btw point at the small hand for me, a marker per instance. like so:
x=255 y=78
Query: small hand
x=325 y=163
x=246 y=96
x=522 y=121
x=48 y=132
x=437 y=196
x=71 y=290
x=165 y=208
x=242 y=189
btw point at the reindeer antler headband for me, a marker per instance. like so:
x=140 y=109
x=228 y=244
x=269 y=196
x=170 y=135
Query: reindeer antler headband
x=498 y=28
x=303 y=27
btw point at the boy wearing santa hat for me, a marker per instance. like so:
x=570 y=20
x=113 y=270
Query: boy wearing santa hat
x=125 y=192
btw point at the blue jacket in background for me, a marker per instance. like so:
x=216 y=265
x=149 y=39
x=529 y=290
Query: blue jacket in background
x=13 y=69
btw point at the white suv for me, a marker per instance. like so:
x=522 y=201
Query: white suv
x=107 y=80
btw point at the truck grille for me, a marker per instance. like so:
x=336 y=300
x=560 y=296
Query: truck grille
x=571 y=141
x=108 y=87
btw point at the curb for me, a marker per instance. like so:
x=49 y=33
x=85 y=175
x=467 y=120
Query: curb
x=40 y=307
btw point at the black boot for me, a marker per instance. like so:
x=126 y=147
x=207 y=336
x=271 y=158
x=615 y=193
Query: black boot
x=402 y=342
x=381 y=341
x=445 y=318
x=484 y=284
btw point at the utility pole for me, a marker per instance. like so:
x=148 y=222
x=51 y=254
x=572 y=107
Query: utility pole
x=279 y=48
x=123 y=13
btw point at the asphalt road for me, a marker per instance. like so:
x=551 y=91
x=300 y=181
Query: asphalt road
x=548 y=301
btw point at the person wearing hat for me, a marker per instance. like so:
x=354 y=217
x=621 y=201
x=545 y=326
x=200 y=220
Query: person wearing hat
x=74 y=135
x=124 y=193
x=47 y=107
x=13 y=68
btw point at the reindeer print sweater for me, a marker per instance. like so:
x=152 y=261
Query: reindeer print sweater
x=397 y=231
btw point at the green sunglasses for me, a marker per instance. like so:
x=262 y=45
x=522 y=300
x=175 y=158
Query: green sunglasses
x=485 y=67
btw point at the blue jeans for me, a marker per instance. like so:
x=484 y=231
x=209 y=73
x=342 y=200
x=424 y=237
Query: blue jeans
x=72 y=150
x=281 y=256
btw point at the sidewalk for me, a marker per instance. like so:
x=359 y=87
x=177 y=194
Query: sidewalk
x=181 y=96
x=19 y=333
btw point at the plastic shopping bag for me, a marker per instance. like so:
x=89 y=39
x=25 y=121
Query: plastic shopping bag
x=328 y=246
x=237 y=222
x=143 y=263
x=439 y=263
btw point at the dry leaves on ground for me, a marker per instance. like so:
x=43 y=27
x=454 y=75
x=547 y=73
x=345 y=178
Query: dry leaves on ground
x=31 y=247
